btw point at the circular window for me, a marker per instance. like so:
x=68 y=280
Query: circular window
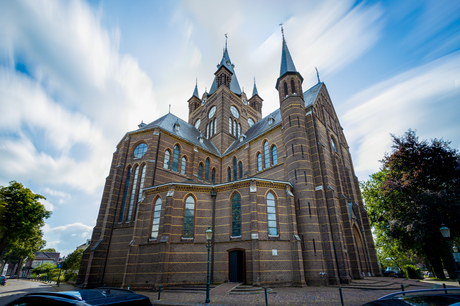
x=140 y=150
x=197 y=124
x=235 y=112
x=251 y=122
x=212 y=111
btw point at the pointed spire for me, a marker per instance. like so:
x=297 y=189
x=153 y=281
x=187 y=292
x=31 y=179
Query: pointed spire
x=287 y=65
x=254 y=91
x=317 y=75
x=195 y=92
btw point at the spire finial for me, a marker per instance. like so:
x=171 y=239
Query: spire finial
x=226 y=38
x=317 y=74
x=254 y=81
x=169 y=108
x=196 y=82
x=282 y=30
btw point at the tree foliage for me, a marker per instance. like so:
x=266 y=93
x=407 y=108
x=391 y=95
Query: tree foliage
x=44 y=268
x=416 y=190
x=21 y=217
x=49 y=250
x=72 y=262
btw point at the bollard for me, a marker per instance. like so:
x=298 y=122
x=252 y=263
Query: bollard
x=444 y=285
x=402 y=289
x=266 y=298
x=159 y=292
x=341 y=297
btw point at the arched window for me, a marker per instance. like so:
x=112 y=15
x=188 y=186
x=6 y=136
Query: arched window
x=230 y=125
x=240 y=168
x=239 y=130
x=229 y=174
x=175 y=165
x=125 y=194
x=189 y=213
x=213 y=177
x=156 y=219
x=266 y=155
x=207 y=130
x=200 y=172
x=133 y=194
x=206 y=172
x=234 y=169
x=285 y=89
x=293 y=86
x=274 y=155
x=333 y=145
x=236 y=215
x=183 y=166
x=166 y=162
x=234 y=128
x=215 y=125
x=141 y=187
x=271 y=215
x=259 y=162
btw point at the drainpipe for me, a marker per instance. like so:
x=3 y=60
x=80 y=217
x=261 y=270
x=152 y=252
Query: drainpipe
x=213 y=196
x=325 y=198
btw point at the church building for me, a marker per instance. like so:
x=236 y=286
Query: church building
x=278 y=192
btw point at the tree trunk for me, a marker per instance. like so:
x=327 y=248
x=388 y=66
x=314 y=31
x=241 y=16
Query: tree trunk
x=435 y=262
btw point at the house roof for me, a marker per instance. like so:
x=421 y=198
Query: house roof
x=287 y=64
x=310 y=95
x=186 y=131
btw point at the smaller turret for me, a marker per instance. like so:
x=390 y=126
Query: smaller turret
x=256 y=101
x=194 y=102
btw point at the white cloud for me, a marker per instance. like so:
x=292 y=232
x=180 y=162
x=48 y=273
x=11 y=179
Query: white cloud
x=66 y=238
x=47 y=204
x=425 y=99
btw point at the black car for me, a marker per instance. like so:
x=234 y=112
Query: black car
x=393 y=271
x=93 y=297
x=432 y=297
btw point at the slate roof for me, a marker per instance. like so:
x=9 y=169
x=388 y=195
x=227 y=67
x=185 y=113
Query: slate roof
x=195 y=92
x=310 y=95
x=234 y=85
x=287 y=64
x=254 y=90
x=186 y=131
x=257 y=129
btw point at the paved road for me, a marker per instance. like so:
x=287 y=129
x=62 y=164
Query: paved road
x=18 y=287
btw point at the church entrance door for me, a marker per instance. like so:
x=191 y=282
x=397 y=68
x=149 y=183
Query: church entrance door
x=361 y=250
x=236 y=266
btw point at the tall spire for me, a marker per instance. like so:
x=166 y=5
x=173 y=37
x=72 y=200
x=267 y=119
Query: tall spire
x=287 y=65
x=254 y=91
x=195 y=92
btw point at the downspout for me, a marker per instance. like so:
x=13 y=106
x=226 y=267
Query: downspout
x=325 y=198
x=213 y=224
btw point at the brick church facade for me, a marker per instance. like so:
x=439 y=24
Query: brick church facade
x=279 y=193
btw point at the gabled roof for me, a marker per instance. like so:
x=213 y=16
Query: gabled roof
x=257 y=129
x=310 y=95
x=234 y=85
x=186 y=131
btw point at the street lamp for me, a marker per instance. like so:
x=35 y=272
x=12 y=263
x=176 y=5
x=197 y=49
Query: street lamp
x=208 y=246
x=445 y=231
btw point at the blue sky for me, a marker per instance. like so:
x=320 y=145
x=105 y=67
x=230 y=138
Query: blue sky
x=75 y=76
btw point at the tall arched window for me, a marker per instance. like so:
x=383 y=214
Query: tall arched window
x=293 y=86
x=213 y=177
x=229 y=174
x=266 y=155
x=215 y=125
x=234 y=128
x=285 y=89
x=166 y=162
x=235 y=170
x=125 y=194
x=274 y=155
x=156 y=219
x=271 y=215
x=230 y=125
x=211 y=129
x=207 y=130
x=239 y=130
x=236 y=215
x=240 y=168
x=133 y=194
x=206 y=172
x=183 y=165
x=141 y=187
x=200 y=172
x=175 y=165
x=259 y=162
x=333 y=144
x=189 y=213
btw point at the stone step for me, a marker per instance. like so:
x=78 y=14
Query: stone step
x=246 y=289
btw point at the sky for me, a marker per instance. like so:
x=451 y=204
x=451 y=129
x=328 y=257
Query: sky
x=75 y=76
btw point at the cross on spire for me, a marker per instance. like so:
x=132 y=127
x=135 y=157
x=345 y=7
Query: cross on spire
x=226 y=38
x=317 y=74
x=282 y=30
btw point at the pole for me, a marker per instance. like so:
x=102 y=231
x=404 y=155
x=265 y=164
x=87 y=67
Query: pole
x=449 y=245
x=159 y=292
x=402 y=289
x=59 y=278
x=266 y=298
x=208 y=246
x=341 y=296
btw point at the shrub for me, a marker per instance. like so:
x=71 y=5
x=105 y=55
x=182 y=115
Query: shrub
x=70 y=277
x=33 y=275
x=413 y=272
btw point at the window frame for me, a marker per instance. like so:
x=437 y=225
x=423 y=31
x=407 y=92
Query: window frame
x=157 y=207
x=266 y=155
x=167 y=159
x=235 y=215
x=274 y=155
x=192 y=223
x=175 y=162
x=273 y=214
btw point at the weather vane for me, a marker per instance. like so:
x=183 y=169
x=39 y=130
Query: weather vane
x=282 y=30
x=317 y=74
x=170 y=108
x=226 y=37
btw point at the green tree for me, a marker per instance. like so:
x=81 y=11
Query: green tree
x=416 y=190
x=72 y=262
x=21 y=216
x=44 y=268
x=50 y=250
